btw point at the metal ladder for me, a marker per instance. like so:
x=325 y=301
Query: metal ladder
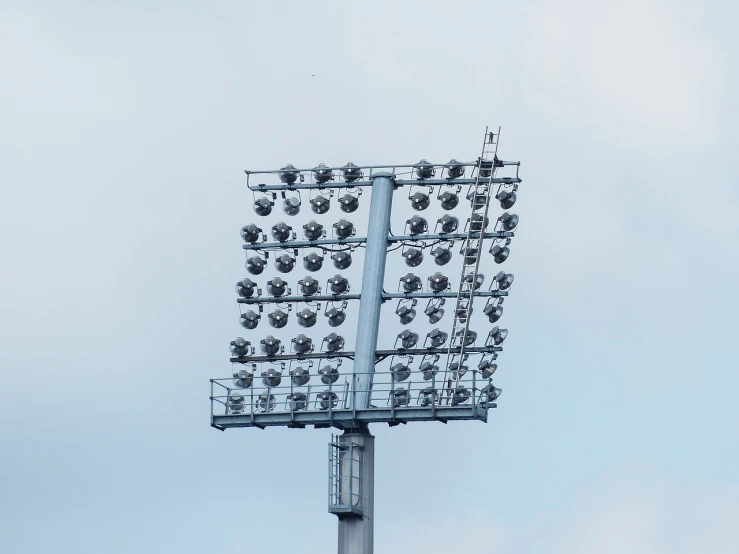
x=472 y=253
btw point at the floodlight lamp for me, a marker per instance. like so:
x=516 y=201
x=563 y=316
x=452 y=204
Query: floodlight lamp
x=486 y=168
x=306 y=318
x=428 y=370
x=344 y=228
x=291 y=205
x=420 y=201
x=313 y=230
x=424 y=170
x=437 y=337
x=407 y=338
x=236 y=403
x=270 y=345
x=271 y=377
x=249 y=320
x=281 y=232
x=470 y=255
x=277 y=319
x=400 y=397
x=413 y=257
x=300 y=376
x=475 y=281
x=497 y=335
x=308 y=286
x=508 y=221
x=313 y=262
x=428 y=396
x=470 y=339
x=400 y=372
x=493 y=311
x=251 y=233
x=266 y=402
x=338 y=284
x=455 y=169
x=277 y=287
x=329 y=374
x=302 y=344
x=322 y=174
x=477 y=223
x=411 y=283
x=351 y=172
x=349 y=203
x=336 y=317
x=297 y=400
x=240 y=347
x=441 y=255
x=434 y=310
x=489 y=393
x=342 y=259
x=263 y=206
x=320 y=204
x=507 y=199
x=487 y=368
x=449 y=200
x=333 y=342
x=477 y=200
x=288 y=174
x=463 y=312
x=448 y=223
x=461 y=395
x=243 y=379
x=438 y=282
x=284 y=263
x=406 y=314
x=327 y=398
x=417 y=225
x=457 y=370
x=255 y=265
x=246 y=288
x=500 y=253
x=504 y=280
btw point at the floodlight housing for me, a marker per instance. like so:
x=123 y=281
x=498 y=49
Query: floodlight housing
x=400 y=397
x=504 y=280
x=271 y=377
x=434 y=310
x=470 y=255
x=475 y=281
x=441 y=255
x=400 y=372
x=428 y=396
x=246 y=288
x=489 y=393
x=486 y=168
x=281 y=231
x=437 y=337
x=406 y=314
x=306 y=317
x=507 y=199
x=266 y=402
x=251 y=233
x=410 y=283
x=428 y=370
x=300 y=376
x=438 y=282
x=288 y=174
x=508 y=221
x=417 y=225
x=407 y=338
x=420 y=201
x=277 y=319
x=470 y=339
x=291 y=205
x=313 y=230
x=249 y=320
x=461 y=396
x=497 y=335
x=448 y=200
x=349 y=203
x=240 y=347
x=335 y=316
x=236 y=403
x=477 y=223
x=487 y=368
x=477 y=200
x=309 y=286
x=458 y=370
x=302 y=344
x=351 y=172
x=313 y=262
x=338 y=284
x=322 y=174
x=277 y=287
x=455 y=169
x=298 y=401
x=243 y=379
x=424 y=170
x=413 y=257
x=255 y=265
x=329 y=374
x=448 y=223
x=270 y=345
x=327 y=398
x=500 y=253
x=320 y=204
x=342 y=259
x=284 y=263
x=493 y=311
x=344 y=228
x=263 y=206
x=333 y=342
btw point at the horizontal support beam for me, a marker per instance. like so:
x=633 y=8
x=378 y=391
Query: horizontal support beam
x=287 y=299
x=448 y=294
x=385 y=167
x=378 y=354
x=398 y=183
x=287 y=245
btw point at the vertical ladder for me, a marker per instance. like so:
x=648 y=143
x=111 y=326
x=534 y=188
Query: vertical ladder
x=471 y=253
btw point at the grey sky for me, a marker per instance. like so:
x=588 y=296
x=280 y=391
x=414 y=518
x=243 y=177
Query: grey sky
x=125 y=129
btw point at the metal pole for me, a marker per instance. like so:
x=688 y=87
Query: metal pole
x=356 y=534
x=372 y=280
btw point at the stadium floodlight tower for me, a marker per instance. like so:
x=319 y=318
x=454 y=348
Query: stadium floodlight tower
x=308 y=361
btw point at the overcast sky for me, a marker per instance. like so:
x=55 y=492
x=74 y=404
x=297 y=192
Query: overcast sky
x=125 y=129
